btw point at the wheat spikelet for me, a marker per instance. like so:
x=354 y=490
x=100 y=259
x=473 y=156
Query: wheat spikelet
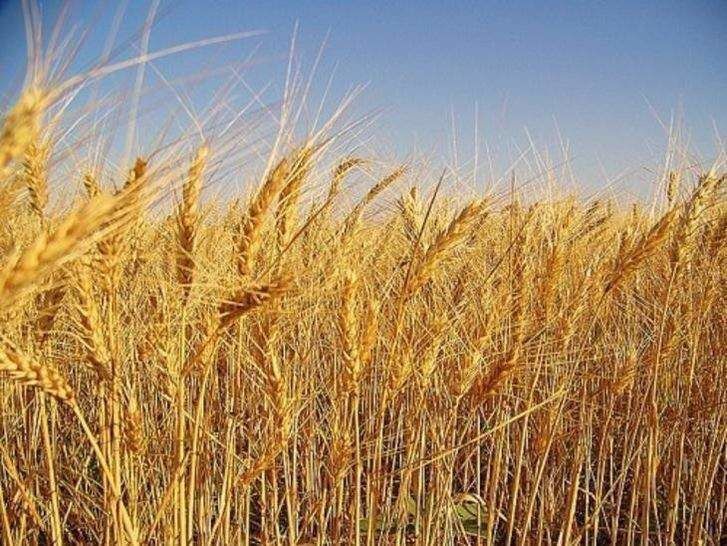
x=553 y=271
x=263 y=462
x=135 y=193
x=342 y=448
x=24 y=371
x=542 y=432
x=487 y=384
x=595 y=220
x=277 y=393
x=625 y=375
x=339 y=174
x=555 y=263
x=280 y=407
x=461 y=373
x=520 y=271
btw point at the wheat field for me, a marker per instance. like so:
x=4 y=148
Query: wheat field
x=348 y=351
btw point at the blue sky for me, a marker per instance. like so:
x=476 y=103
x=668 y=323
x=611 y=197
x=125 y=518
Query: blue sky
x=598 y=73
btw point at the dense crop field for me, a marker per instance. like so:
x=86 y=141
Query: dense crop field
x=345 y=353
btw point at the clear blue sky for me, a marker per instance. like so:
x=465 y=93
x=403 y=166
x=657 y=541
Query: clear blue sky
x=594 y=68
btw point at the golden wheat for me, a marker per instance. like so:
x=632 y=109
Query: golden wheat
x=298 y=372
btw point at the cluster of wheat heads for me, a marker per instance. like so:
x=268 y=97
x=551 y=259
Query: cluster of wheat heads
x=278 y=373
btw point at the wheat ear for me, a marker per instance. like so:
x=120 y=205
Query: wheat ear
x=249 y=299
x=250 y=236
x=20 y=127
x=630 y=260
x=684 y=241
x=35 y=166
x=354 y=217
x=290 y=194
x=348 y=321
x=188 y=220
x=447 y=240
x=339 y=174
x=50 y=250
x=25 y=371
x=90 y=184
x=98 y=352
